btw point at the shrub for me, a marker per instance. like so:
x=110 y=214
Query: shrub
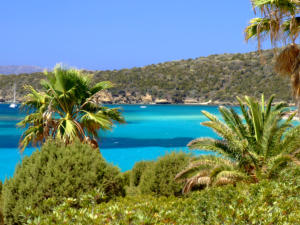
x=126 y=177
x=267 y=202
x=1 y=204
x=137 y=171
x=57 y=171
x=289 y=173
x=158 y=178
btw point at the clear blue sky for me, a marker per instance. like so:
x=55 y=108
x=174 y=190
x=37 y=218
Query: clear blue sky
x=114 y=34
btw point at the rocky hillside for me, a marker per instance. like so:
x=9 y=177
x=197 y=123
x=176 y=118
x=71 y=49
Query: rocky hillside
x=212 y=79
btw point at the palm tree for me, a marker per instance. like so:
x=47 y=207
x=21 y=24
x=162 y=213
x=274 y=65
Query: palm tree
x=254 y=146
x=66 y=109
x=279 y=23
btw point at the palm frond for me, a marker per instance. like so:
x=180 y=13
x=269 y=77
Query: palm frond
x=103 y=85
x=256 y=116
x=92 y=122
x=278 y=163
x=246 y=117
x=258 y=28
x=268 y=107
x=229 y=177
x=291 y=141
x=283 y=6
x=225 y=132
x=252 y=146
x=233 y=121
x=113 y=114
x=203 y=164
x=271 y=127
x=33 y=135
x=66 y=130
x=209 y=144
x=291 y=28
x=194 y=181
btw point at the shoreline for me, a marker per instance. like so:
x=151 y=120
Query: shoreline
x=153 y=103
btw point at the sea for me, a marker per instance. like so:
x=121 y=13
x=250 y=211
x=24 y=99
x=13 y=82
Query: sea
x=150 y=131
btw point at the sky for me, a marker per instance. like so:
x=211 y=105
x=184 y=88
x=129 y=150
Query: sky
x=115 y=34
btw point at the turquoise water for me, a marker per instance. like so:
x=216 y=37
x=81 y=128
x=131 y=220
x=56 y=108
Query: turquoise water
x=148 y=133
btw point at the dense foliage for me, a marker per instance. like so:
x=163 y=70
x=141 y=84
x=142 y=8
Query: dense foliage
x=268 y=202
x=66 y=109
x=1 y=205
x=254 y=146
x=158 y=178
x=58 y=171
x=216 y=77
x=137 y=171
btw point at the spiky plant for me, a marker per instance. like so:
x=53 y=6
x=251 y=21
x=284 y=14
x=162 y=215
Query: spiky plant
x=279 y=22
x=66 y=109
x=254 y=145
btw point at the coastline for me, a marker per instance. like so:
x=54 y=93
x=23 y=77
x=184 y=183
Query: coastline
x=216 y=103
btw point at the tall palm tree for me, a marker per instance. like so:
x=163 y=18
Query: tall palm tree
x=66 y=109
x=254 y=146
x=279 y=22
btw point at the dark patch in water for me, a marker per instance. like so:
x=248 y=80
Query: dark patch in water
x=133 y=142
x=128 y=122
x=9 y=141
x=8 y=125
x=12 y=141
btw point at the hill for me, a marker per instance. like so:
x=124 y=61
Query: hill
x=216 y=78
x=6 y=70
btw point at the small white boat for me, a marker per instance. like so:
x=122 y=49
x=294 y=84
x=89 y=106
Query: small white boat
x=14 y=104
x=143 y=106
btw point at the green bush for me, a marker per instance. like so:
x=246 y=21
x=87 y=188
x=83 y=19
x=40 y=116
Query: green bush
x=58 y=171
x=158 y=178
x=1 y=204
x=268 y=202
x=126 y=177
x=290 y=173
x=137 y=171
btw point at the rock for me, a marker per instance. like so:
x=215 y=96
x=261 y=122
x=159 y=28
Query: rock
x=209 y=102
x=120 y=100
x=147 y=98
x=190 y=101
x=103 y=97
x=162 y=101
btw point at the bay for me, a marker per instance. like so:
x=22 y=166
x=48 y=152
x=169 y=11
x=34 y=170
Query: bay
x=150 y=131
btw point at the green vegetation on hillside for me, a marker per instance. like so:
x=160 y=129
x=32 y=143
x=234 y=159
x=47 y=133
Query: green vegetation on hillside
x=216 y=77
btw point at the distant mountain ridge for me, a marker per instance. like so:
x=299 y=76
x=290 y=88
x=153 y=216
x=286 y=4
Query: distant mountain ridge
x=6 y=70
